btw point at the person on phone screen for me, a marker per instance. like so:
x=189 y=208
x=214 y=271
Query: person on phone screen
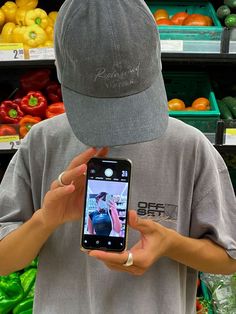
x=182 y=213
x=104 y=219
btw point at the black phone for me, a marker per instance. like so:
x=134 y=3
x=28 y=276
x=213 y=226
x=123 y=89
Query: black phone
x=104 y=223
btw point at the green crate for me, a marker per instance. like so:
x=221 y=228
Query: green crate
x=177 y=32
x=188 y=86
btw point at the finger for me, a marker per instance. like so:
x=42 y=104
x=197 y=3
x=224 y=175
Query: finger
x=102 y=152
x=82 y=158
x=140 y=224
x=71 y=176
x=59 y=193
x=111 y=258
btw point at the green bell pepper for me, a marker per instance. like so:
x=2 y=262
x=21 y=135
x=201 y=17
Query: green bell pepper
x=25 y=306
x=11 y=292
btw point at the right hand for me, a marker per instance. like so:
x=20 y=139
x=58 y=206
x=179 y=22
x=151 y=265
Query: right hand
x=63 y=204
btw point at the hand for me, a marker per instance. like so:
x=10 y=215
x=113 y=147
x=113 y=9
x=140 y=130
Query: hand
x=154 y=243
x=63 y=204
x=112 y=206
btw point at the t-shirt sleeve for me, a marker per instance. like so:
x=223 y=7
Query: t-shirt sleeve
x=214 y=204
x=16 y=203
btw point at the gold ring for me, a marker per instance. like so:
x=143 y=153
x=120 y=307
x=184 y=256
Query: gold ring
x=59 y=179
x=129 y=261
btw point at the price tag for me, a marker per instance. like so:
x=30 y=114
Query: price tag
x=172 y=45
x=45 y=53
x=230 y=136
x=9 y=142
x=11 y=51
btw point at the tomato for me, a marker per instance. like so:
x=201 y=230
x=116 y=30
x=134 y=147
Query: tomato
x=190 y=108
x=160 y=14
x=176 y=104
x=164 y=22
x=201 y=103
x=195 y=20
x=179 y=17
x=209 y=20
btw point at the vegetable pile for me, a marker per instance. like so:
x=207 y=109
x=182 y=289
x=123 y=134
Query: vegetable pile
x=38 y=97
x=227 y=13
x=227 y=107
x=17 y=290
x=23 y=22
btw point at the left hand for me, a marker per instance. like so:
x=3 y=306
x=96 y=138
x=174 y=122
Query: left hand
x=153 y=244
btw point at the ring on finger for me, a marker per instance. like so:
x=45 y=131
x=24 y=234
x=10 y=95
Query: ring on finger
x=59 y=179
x=129 y=261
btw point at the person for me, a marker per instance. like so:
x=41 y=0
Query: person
x=104 y=219
x=183 y=208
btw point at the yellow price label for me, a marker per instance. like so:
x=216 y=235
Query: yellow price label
x=231 y=131
x=11 y=51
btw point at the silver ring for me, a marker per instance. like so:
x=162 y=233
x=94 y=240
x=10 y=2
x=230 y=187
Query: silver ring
x=129 y=261
x=59 y=179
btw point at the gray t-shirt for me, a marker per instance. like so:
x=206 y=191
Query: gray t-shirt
x=179 y=180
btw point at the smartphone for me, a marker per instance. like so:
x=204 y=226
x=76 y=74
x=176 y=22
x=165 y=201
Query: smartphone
x=104 y=222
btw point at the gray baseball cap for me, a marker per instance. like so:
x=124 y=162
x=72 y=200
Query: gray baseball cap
x=108 y=62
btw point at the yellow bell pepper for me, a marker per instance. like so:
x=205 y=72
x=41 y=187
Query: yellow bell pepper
x=47 y=44
x=7 y=32
x=9 y=10
x=34 y=36
x=20 y=16
x=2 y=17
x=27 y=4
x=53 y=15
x=37 y=17
x=18 y=34
x=50 y=32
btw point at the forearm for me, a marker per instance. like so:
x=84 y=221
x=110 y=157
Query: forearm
x=116 y=221
x=201 y=254
x=21 y=246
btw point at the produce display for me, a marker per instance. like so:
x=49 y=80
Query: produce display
x=227 y=13
x=227 y=107
x=162 y=17
x=199 y=104
x=37 y=98
x=17 y=290
x=23 y=22
x=222 y=292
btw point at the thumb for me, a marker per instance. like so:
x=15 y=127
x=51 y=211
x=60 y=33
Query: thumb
x=140 y=224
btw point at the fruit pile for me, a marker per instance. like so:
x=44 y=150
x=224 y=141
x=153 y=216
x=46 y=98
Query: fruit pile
x=162 y=17
x=38 y=98
x=23 y=22
x=199 y=104
x=227 y=13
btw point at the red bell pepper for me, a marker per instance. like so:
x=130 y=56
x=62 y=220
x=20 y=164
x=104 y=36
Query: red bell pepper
x=35 y=80
x=34 y=103
x=55 y=109
x=6 y=129
x=26 y=124
x=10 y=112
x=53 y=92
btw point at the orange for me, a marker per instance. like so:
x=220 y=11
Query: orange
x=164 y=22
x=179 y=17
x=201 y=103
x=160 y=14
x=176 y=104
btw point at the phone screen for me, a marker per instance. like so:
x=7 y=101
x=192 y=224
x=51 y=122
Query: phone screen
x=104 y=224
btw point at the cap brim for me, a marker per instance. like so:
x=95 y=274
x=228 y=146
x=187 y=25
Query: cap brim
x=132 y=119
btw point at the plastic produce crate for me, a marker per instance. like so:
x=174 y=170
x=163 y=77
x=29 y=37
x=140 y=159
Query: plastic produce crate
x=176 y=32
x=188 y=86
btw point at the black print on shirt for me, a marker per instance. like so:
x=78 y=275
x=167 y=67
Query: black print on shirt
x=158 y=211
